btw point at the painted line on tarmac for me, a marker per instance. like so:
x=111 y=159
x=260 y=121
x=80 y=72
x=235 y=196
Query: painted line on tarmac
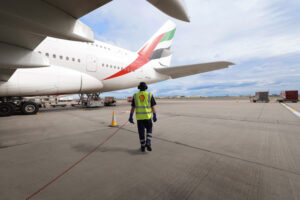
x=76 y=163
x=295 y=112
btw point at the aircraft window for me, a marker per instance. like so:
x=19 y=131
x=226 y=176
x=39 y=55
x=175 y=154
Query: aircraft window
x=96 y=45
x=118 y=67
x=78 y=60
x=61 y=57
x=106 y=65
x=73 y=59
x=67 y=58
x=102 y=64
x=104 y=47
x=110 y=66
x=54 y=56
x=115 y=66
x=47 y=54
x=40 y=52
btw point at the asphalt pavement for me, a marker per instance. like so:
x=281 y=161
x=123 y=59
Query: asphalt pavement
x=216 y=149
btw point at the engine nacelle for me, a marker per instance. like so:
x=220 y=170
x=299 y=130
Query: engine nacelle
x=174 y=8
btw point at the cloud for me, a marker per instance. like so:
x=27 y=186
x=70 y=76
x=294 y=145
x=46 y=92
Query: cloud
x=261 y=36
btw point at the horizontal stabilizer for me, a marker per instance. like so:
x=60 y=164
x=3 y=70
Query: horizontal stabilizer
x=187 y=70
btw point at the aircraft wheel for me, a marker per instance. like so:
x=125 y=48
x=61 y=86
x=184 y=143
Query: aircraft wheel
x=7 y=109
x=29 y=108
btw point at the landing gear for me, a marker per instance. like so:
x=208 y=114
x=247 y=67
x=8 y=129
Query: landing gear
x=29 y=108
x=7 y=109
x=9 y=105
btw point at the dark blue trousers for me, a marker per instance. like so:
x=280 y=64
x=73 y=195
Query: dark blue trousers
x=142 y=125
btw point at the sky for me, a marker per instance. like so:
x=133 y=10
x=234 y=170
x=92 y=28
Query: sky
x=262 y=38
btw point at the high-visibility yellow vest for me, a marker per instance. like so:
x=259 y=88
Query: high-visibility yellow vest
x=143 y=105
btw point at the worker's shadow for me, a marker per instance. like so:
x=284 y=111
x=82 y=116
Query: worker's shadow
x=85 y=148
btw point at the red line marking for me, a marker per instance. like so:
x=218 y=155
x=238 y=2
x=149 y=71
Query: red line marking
x=76 y=163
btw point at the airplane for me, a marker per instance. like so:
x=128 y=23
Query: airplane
x=76 y=64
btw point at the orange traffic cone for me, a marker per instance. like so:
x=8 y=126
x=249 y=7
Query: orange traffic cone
x=114 y=120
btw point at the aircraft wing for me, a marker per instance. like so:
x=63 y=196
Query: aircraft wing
x=187 y=70
x=77 y=8
x=26 y=23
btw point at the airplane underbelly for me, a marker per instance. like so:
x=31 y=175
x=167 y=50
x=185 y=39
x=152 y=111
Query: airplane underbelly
x=48 y=81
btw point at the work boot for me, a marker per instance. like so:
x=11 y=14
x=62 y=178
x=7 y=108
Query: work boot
x=148 y=147
x=142 y=148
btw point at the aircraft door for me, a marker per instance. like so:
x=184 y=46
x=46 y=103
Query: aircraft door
x=91 y=65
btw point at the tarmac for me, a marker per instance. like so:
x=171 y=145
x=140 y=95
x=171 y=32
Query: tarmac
x=212 y=150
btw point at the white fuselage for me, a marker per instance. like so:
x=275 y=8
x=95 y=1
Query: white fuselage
x=79 y=67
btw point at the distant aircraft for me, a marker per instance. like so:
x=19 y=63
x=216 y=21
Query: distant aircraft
x=32 y=64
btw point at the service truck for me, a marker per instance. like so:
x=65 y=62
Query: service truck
x=110 y=101
x=289 y=96
x=261 y=97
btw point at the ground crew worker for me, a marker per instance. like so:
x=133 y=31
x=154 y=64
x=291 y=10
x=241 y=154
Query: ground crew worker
x=144 y=105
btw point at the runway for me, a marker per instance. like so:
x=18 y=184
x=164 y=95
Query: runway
x=214 y=149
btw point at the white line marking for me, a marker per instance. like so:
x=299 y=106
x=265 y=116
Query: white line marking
x=292 y=110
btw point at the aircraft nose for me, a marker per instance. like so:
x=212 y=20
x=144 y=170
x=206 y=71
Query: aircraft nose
x=173 y=8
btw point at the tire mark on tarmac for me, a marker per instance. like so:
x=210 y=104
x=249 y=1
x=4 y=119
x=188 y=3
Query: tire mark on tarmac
x=202 y=179
x=261 y=111
x=3 y=146
x=220 y=154
x=229 y=119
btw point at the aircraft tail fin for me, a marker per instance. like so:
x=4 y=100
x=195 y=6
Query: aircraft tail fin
x=158 y=46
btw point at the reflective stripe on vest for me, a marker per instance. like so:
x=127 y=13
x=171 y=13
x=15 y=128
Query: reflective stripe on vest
x=143 y=105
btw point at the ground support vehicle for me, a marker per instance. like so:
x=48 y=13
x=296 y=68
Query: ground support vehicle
x=110 y=101
x=289 y=96
x=129 y=99
x=261 y=97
